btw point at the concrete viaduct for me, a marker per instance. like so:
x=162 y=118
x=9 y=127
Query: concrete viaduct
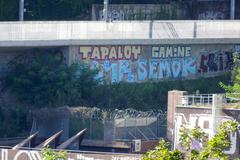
x=133 y=50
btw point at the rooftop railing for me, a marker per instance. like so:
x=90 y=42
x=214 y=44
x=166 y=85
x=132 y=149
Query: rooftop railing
x=206 y=101
x=198 y=100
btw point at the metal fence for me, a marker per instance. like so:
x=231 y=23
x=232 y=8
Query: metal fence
x=123 y=125
x=206 y=100
x=197 y=100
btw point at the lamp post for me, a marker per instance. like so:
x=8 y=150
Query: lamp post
x=232 y=10
x=21 y=10
x=105 y=10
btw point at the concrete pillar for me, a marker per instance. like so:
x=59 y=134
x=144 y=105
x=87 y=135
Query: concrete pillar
x=69 y=54
x=105 y=10
x=174 y=98
x=94 y=13
x=150 y=29
x=217 y=111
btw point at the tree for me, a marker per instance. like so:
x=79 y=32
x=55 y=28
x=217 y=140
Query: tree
x=188 y=137
x=46 y=81
x=58 y=9
x=233 y=89
x=212 y=149
x=215 y=146
x=8 y=10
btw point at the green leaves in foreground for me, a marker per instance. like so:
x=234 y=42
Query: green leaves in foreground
x=50 y=154
x=233 y=89
x=213 y=149
x=220 y=142
x=162 y=152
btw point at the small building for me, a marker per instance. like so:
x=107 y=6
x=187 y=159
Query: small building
x=206 y=111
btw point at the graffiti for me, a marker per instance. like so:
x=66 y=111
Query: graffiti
x=171 y=51
x=112 y=53
x=166 y=68
x=215 y=62
x=145 y=69
x=211 y=15
x=205 y=122
x=138 y=63
x=20 y=155
x=213 y=10
x=7 y=154
x=113 y=15
x=137 y=12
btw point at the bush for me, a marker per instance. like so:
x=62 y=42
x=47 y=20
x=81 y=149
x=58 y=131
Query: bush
x=212 y=149
x=50 y=154
x=151 y=95
x=47 y=82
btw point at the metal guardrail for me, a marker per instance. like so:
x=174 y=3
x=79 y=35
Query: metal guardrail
x=206 y=100
x=200 y=100
x=94 y=30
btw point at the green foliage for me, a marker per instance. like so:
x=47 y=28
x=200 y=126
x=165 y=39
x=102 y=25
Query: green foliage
x=58 y=9
x=233 y=90
x=150 y=95
x=162 y=152
x=220 y=142
x=187 y=136
x=48 y=82
x=50 y=154
x=8 y=10
x=213 y=149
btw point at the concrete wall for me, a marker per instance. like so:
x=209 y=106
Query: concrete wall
x=139 y=12
x=201 y=10
x=61 y=33
x=139 y=63
x=8 y=154
x=212 y=10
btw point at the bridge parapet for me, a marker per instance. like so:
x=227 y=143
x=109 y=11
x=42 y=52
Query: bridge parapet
x=122 y=32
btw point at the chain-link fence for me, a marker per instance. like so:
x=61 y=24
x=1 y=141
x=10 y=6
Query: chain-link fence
x=122 y=125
